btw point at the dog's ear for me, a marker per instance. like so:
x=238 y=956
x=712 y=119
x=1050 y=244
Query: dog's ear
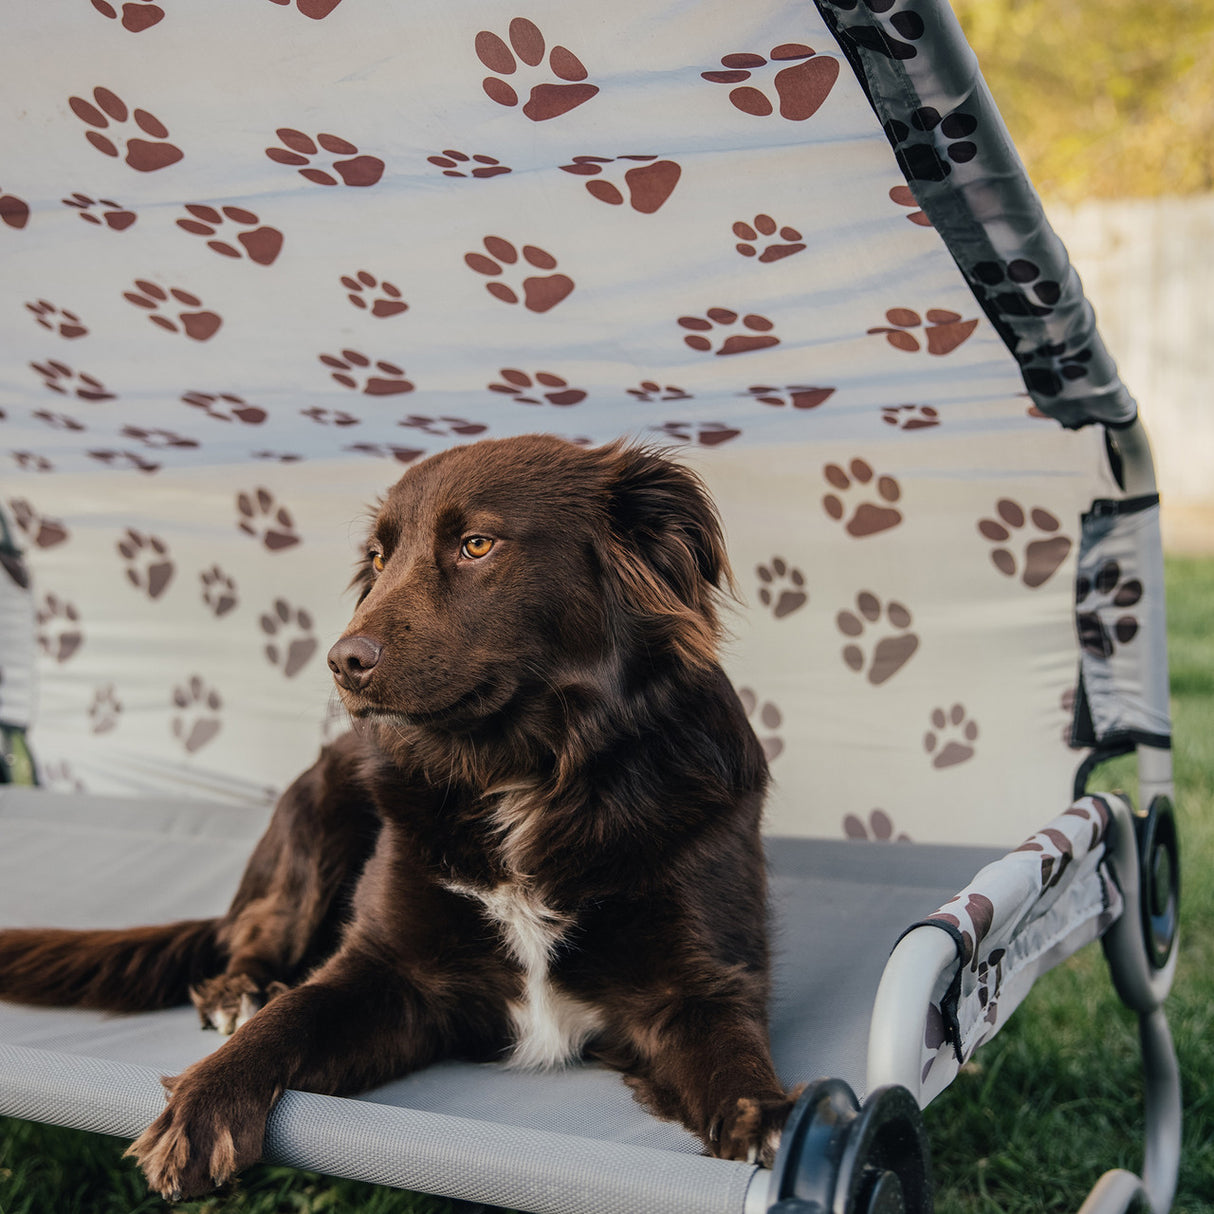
x=667 y=551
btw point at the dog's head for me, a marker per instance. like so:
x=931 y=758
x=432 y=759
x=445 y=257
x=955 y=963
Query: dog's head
x=520 y=567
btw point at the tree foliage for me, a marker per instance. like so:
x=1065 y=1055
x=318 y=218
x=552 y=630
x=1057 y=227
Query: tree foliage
x=1104 y=98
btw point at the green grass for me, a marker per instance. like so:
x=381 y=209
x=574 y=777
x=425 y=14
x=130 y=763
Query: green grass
x=1050 y=1104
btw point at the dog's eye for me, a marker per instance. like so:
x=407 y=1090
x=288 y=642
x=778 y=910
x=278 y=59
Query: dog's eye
x=377 y=561
x=476 y=546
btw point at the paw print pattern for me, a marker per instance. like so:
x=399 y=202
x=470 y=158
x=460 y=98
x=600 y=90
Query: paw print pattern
x=755 y=333
x=541 y=292
x=59 y=632
x=444 y=427
x=105 y=709
x=57 y=320
x=798 y=396
x=902 y=195
x=868 y=517
x=137 y=15
x=188 y=315
x=101 y=212
x=650 y=390
x=259 y=243
x=218 y=591
x=879 y=828
x=59 y=377
x=318 y=10
x=225 y=407
x=356 y=372
x=945 y=330
x=43 y=532
x=402 y=455
x=30 y=461
x=547 y=99
x=290 y=653
x=760 y=232
x=703 y=434
x=1016 y=288
x=130 y=461
x=907 y=26
x=330 y=417
x=459 y=164
x=538 y=388
x=365 y=291
x=149 y=568
x=299 y=150
x=769 y=718
x=260 y=516
x=1049 y=368
x=158 y=440
x=1108 y=589
x=196 y=721
x=1042 y=555
x=800 y=88
x=14 y=211
x=106 y=108
x=921 y=159
x=910 y=417
x=58 y=421
x=646 y=186
x=782 y=587
x=891 y=652
x=950 y=740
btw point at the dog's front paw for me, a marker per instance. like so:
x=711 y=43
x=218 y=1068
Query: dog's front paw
x=749 y=1128
x=228 y=1000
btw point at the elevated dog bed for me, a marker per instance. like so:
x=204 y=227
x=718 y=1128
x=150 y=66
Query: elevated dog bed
x=260 y=258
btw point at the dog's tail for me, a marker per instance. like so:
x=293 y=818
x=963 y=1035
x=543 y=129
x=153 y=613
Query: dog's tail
x=115 y=970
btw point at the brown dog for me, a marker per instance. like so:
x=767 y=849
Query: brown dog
x=541 y=839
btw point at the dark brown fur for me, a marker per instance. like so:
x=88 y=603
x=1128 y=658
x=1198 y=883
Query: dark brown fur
x=544 y=722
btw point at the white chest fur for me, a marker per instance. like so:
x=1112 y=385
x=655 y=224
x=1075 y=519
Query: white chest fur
x=550 y=1026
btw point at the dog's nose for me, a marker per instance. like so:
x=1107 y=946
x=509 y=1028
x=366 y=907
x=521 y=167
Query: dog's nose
x=352 y=661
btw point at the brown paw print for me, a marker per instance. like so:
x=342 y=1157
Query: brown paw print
x=159 y=440
x=146 y=155
x=879 y=828
x=124 y=461
x=14 y=211
x=458 y=164
x=264 y=519
x=769 y=718
x=196 y=721
x=318 y=10
x=112 y=214
x=951 y=737
x=277 y=457
x=381 y=299
x=538 y=388
x=43 y=532
x=300 y=150
x=891 y=652
x=257 y=242
x=910 y=417
x=330 y=417
x=402 y=455
x=945 y=330
x=357 y=372
x=149 y=567
x=105 y=709
x=57 y=320
x=444 y=427
x=1107 y=590
x=31 y=461
x=218 y=591
x=650 y=390
x=547 y=99
x=782 y=587
x=1042 y=555
x=540 y=292
x=868 y=517
x=755 y=332
x=796 y=396
x=137 y=15
x=800 y=89
x=62 y=379
x=188 y=315
x=225 y=407
x=760 y=232
x=57 y=421
x=291 y=641
x=902 y=196
x=59 y=634
x=646 y=186
x=703 y=434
